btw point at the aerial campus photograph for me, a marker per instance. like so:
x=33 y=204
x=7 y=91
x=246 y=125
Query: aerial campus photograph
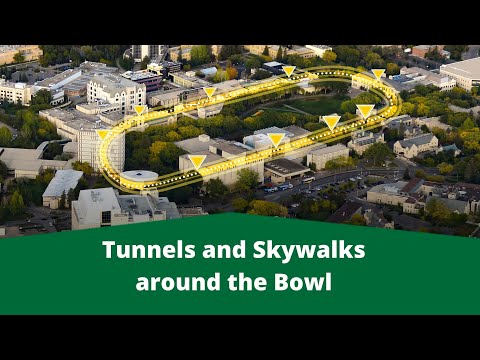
x=384 y=136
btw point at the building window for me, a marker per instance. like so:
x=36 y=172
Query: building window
x=106 y=217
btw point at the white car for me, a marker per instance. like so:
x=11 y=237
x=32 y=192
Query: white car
x=295 y=205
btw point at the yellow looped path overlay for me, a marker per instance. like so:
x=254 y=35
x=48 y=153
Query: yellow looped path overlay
x=324 y=135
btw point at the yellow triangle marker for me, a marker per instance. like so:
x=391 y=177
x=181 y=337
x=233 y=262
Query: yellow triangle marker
x=289 y=70
x=102 y=133
x=139 y=109
x=197 y=160
x=331 y=121
x=365 y=110
x=209 y=91
x=378 y=73
x=276 y=138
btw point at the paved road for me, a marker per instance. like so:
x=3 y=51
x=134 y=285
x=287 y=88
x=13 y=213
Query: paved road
x=13 y=131
x=322 y=179
x=471 y=53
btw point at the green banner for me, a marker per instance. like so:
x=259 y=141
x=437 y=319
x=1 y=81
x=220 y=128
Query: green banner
x=322 y=268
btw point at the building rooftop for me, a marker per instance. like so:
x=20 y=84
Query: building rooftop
x=162 y=203
x=52 y=81
x=76 y=119
x=191 y=211
x=273 y=63
x=393 y=188
x=93 y=201
x=63 y=181
x=139 y=75
x=323 y=47
x=297 y=131
x=194 y=145
x=417 y=140
x=467 y=68
x=114 y=84
x=229 y=147
x=285 y=167
x=412 y=184
x=345 y=212
x=275 y=130
x=329 y=149
x=452 y=204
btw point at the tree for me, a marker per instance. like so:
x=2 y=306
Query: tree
x=267 y=208
x=227 y=51
x=445 y=168
x=3 y=172
x=70 y=197
x=145 y=62
x=240 y=204
x=357 y=219
x=406 y=174
x=265 y=51
x=247 y=180
x=232 y=73
x=18 y=57
x=392 y=69
x=62 y=202
x=378 y=152
x=41 y=97
x=199 y=54
x=5 y=136
x=329 y=56
x=437 y=210
x=16 y=205
x=83 y=166
x=279 y=56
x=216 y=189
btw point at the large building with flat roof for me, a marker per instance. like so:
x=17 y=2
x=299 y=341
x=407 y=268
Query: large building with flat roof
x=281 y=170
x=320 y=156
x=105 y=207
x=216 y=151
x=466 y=73
x=82 y=128
x=28 y=163
x=413 y=146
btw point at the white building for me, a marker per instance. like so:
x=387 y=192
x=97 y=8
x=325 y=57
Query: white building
x=117 y=90
x=319 y=50
x=413 y=146
x=105 y=207
x=82 y=129
x=320 y=156
x=466 y=73
x=152 y=51
x=62 y=182
x=15 y=92
x=362 y=140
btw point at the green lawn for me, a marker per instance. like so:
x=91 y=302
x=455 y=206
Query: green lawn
x=318 y=106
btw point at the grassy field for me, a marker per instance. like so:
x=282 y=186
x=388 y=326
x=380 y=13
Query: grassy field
x=318 y=106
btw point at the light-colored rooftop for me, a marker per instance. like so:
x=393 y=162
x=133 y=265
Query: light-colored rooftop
x=139 y=175
x=196 y=144
x=76 y=119
x=114 y=84
x=393 y=188
x=63 y=181
x=93 y=201
x=467 y=68
x=49 y=82
x=329 y=149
